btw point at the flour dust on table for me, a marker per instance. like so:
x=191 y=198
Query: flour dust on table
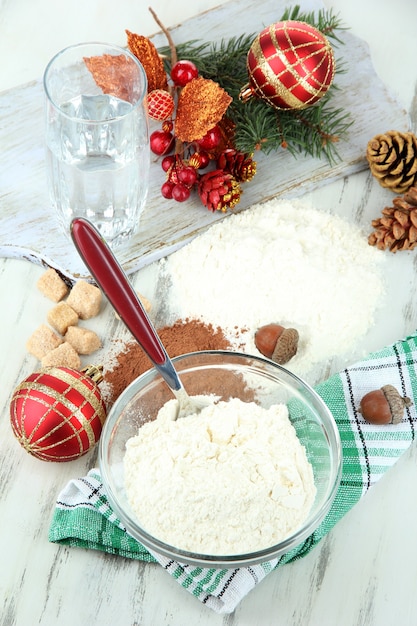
x=284 y=262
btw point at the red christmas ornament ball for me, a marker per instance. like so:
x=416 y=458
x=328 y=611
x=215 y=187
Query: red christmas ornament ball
x=167 y=162
x=211 y=139
x=290 y=65
x=183 y=72
x=199 y=160
x=180 y=192
x=161 y=142
x=187 y=175
x=160 y=104
x=166 y=190
x=57 y=413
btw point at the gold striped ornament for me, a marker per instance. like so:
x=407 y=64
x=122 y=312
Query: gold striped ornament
x=290 y=66
x=57 y=413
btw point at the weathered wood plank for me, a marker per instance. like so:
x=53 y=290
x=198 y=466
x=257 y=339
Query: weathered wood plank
x=27 y=224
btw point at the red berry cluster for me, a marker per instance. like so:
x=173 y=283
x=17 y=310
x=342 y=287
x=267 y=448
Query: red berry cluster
x=181 y=166
x=180 y=178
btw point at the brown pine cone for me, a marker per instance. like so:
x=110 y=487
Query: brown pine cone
x=397 y=228
x=392 y=159
x=219 y=190
x=239 y=164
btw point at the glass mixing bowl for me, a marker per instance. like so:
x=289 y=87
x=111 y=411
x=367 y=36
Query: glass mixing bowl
x=225 y=374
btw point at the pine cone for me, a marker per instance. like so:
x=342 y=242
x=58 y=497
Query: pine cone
x=219 y=190
x=392 y=158
x=239 y=164
x=397 y=229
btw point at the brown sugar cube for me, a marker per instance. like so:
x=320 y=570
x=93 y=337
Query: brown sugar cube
x=62 y=356
x=52 y=286
x=85 y=299
x=145 y=302
x=62 y=316
x=83 y=340
x=42 y=341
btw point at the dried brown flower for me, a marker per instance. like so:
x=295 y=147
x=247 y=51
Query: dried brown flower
x=148 y=55
x=111 y=73
x=201 y=105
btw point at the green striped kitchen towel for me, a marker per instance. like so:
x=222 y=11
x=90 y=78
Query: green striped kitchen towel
x=83 y=517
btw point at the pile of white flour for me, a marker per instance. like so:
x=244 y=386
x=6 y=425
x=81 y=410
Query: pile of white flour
x=233 y=479
x=286 y=263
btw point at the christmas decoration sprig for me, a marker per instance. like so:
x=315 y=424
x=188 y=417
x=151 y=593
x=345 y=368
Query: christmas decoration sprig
x=213 y=121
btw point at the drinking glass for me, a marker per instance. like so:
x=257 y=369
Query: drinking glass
x=97 y=138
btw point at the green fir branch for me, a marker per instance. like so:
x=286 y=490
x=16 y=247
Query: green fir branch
x=224 y=61
x=313 y=131
x=324 y=20
x=193 y=50
x=317 y=131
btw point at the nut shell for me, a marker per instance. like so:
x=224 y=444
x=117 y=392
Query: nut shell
x=384 y=406
x=286 y=347
x=266 y=338
x=276 y=342
x=375 y=408
x=396 y=402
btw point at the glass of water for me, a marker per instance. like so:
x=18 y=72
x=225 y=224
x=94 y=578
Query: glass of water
x=97 y=139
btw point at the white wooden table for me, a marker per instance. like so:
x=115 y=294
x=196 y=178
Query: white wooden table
x=364 y=572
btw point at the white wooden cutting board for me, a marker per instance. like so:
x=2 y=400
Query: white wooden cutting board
x=27 y=224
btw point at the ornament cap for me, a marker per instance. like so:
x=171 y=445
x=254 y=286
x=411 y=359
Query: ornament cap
x=246 y=93
x=95 y=372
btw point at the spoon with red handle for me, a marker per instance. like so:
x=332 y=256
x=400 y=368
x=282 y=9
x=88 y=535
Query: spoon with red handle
x=111 y=278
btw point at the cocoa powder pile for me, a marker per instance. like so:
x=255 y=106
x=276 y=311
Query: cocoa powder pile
x=189 y=335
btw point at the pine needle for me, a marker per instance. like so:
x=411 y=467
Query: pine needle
x=313 y=131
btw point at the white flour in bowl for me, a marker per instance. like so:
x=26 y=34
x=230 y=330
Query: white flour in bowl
x=231 y=480
x=286 y=263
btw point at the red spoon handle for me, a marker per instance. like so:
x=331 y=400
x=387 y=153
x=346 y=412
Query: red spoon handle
x=112 y=279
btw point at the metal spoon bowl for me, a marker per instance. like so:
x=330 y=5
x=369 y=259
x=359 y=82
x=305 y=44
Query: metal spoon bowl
x=111 y=278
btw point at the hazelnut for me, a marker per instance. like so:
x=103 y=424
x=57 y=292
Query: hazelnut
x=383 y=406
x=276 y=342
